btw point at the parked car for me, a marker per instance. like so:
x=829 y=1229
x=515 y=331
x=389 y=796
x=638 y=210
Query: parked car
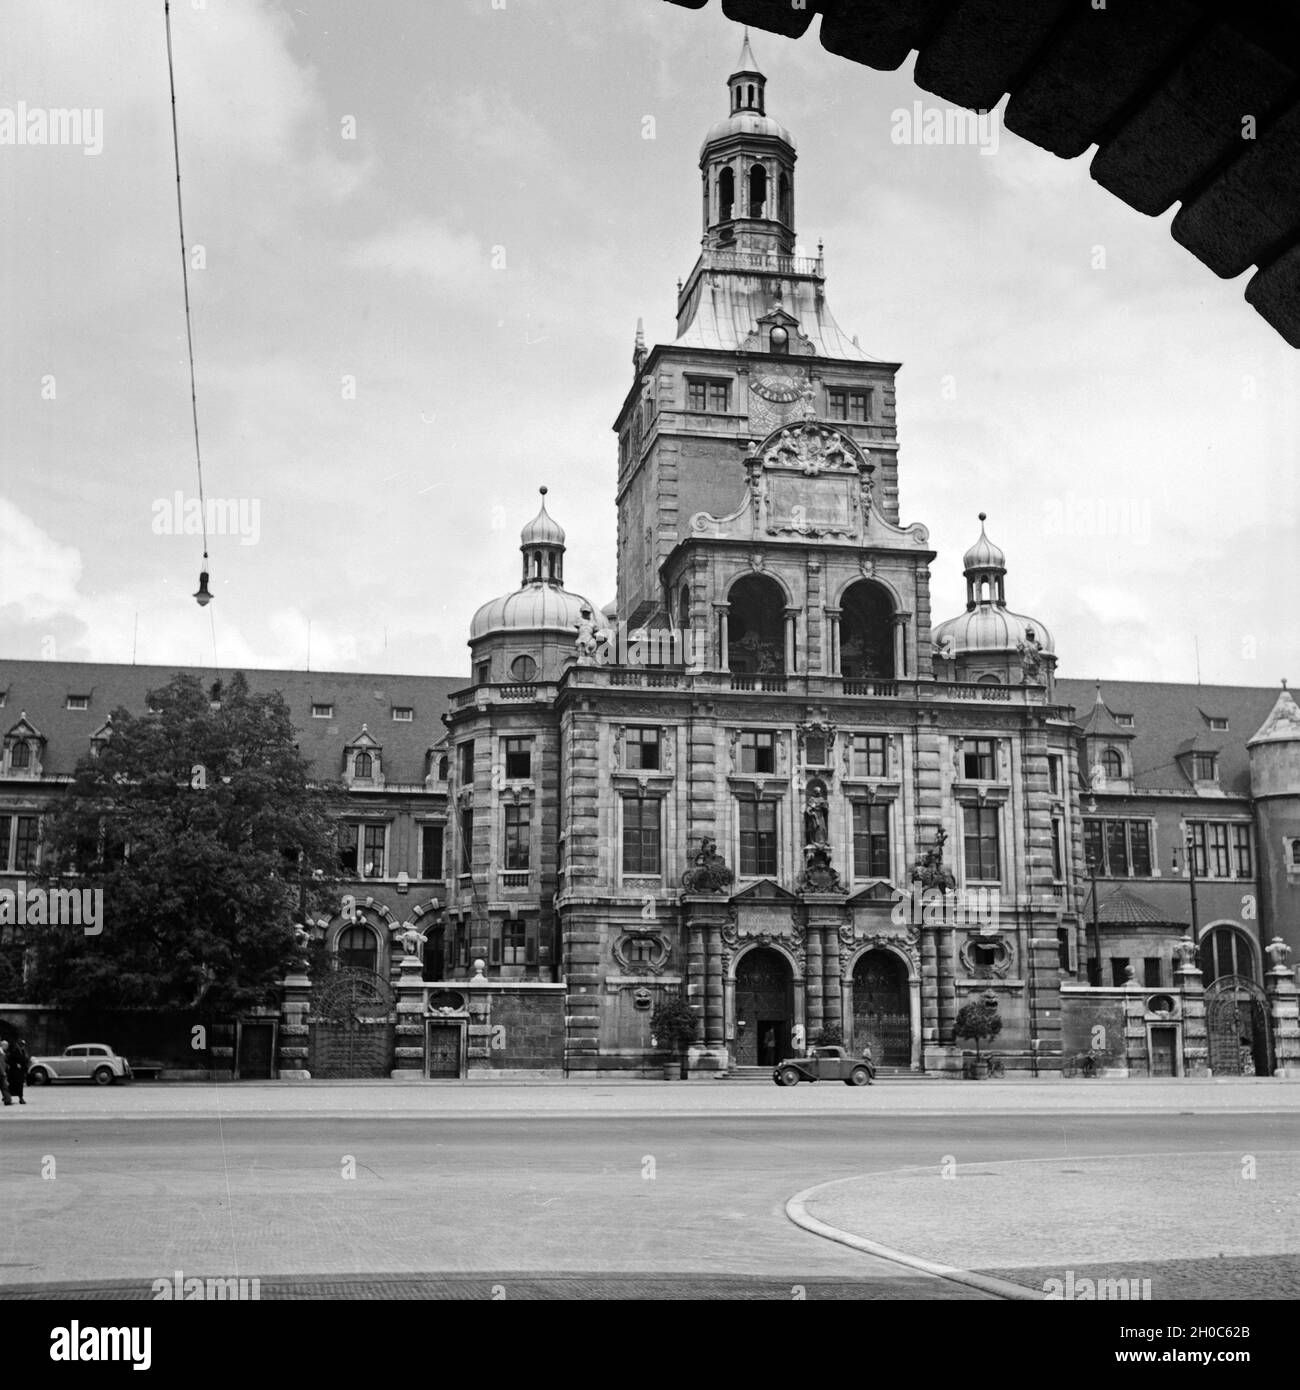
x=826 y=1064
x=95 y=1062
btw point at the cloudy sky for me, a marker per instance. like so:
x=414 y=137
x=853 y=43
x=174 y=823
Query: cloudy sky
x=453 y=206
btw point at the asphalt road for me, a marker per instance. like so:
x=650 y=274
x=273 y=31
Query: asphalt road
x=613 y=1206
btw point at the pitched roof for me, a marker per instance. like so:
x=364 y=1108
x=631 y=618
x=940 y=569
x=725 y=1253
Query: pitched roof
x=1166 y=717
x=41 y=688
x=1124 y=907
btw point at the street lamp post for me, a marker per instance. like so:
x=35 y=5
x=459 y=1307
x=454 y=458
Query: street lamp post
x=1191 y=876
x=1096 y=929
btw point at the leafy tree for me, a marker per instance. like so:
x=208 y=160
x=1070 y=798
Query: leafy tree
x=828 y=1035
x=675 y=1024
x=200 y=825
x=978 y=1020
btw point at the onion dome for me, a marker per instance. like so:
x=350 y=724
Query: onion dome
x=984 y=555
x=541 y=603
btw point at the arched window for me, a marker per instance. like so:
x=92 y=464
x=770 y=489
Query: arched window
x=1112 y=763
x=757 y=190
x=989 y=679
x=363 y=767
x=783 y=195
x=751 y=94
x=756 y=627
x=442 y=768
x=20 y=755
x=1226 y=951
x=358 y=947
x=867 y=633
x=726 y=194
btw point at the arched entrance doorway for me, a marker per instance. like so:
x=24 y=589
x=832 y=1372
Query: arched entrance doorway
x=1236 y=1021
x=866 y=633
x=882 y=1017
x=764 y=1008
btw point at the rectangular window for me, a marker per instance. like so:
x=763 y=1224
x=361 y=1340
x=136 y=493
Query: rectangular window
x=1198 y=849
x=1205 y=767
x=1125 y=721
x=1245 y=860
x=869 y=755
x=641 y=750
x=696 y=396
x=870 y=841
x=1219 y=725
x=859 y=407
x=837 y=405
x=348 y=848
x=431 y=851
x=372 y=860
x=78 y=702
x=641 y=835
x=1118 y=971
x=322 y=711
x=1217 y=847
x=1094 y=847
x=713 y=396
x=465 y=753
x=1139 y=832
x=519 y=759
x=516 y=837
x=1054 y=778
x=757 y=751
x=467 y=842
x=483 y=673
x=514 y=941
x=1116 y=849
x=982 y=857
x=403 y=714
x=757 y=838
x=1151 y=972
x=1063 y=948
x=979 y=759
x=720 y=397
x=1058 y=850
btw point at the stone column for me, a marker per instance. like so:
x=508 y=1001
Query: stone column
x=724 y=635
x=1284 y=1010
x=946 y=976
x=832 y=981
x=1045 y=1024
x=1196 y=1040
x=791 y=639
x=713 y=1000
x=410 y=1060
x=831 y=655
x=812 y=984
x=294 y=1031
x=901 y=621
x=929 y=983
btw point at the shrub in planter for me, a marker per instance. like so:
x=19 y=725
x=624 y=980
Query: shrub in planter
x=675 y=1024
x=978 y=1020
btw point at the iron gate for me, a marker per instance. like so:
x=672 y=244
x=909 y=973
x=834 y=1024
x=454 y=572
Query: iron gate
x=1236 y=1019
x=352 y=1025
x=882 y=1017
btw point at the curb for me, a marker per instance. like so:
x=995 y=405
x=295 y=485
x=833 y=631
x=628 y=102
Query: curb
x=797 y=1210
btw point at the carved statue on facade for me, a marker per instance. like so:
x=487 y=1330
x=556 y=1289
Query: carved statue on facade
x=412 y=940
x=818 y=875
x=710 y=873
x=930 y=871
x=590 y=638
x=816 y=814
x=1031 y=656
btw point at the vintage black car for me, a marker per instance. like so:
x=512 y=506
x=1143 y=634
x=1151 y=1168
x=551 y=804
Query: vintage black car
x=826 y=1064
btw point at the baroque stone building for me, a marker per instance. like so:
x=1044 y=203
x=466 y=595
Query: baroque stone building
x=765 y=777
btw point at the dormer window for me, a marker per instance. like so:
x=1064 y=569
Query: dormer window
x=322 y=711
x=1125 y=721
x=1205 y=767
x=403 y=714
x=1220 y=726
x=20 y=756
x=1112 y=764
x=363 y=768
x=78 y=702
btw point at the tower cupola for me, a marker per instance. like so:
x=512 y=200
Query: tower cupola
x=542 y=545
x=747 y=162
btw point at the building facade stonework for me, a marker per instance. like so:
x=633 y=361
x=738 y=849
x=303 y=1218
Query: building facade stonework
x=765 y=777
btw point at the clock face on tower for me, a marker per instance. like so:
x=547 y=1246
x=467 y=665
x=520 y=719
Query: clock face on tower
x=780 y=390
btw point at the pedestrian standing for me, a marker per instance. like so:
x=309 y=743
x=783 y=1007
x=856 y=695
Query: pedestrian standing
x=19 y=1060
x=4 y=1073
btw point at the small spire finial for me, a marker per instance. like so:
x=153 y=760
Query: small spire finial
x=543 y=490
x=984 y=516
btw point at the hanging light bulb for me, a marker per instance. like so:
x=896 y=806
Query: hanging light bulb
x=202 y=597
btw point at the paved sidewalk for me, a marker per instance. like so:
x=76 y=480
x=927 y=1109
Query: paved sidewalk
x=704 y=1096
x=1221 y=1225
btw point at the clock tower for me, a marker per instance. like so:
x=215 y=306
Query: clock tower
x=757 y=348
